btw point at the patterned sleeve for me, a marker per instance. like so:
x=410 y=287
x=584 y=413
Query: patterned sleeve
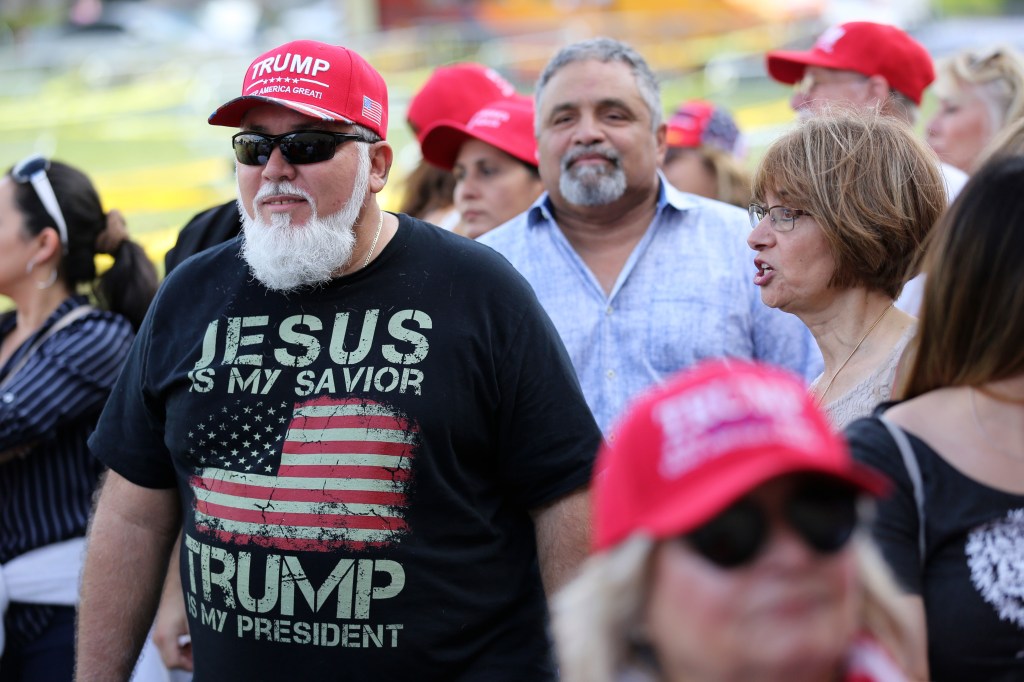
x=895 y=527
x=65 y=379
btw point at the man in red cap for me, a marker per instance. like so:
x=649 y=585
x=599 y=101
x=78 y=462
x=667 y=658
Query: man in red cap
x=860 y=63
x=365 y=428
x=864 y=64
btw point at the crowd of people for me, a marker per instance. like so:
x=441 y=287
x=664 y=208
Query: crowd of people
x=730 y=424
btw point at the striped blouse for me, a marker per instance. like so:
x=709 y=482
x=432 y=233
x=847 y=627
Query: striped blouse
x=52 y=403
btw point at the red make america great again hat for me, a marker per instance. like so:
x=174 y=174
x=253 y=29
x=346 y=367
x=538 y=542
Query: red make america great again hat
x=867 y=48
x=689 y=448
x=327 y=82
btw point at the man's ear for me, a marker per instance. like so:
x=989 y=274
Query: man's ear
x=878 y=88
x=660 y=136
x=381 y=158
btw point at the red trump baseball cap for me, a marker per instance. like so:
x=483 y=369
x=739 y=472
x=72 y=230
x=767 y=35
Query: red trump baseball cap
x=865 y=47
x=697 y=123
x=327 y=82
x=506 y=124
x=688 y=449
x=454 y=93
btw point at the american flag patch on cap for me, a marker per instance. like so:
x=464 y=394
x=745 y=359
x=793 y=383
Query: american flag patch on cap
x=372 y=110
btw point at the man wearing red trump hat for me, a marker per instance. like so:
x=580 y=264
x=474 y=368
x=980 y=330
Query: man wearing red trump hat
x=365 y=427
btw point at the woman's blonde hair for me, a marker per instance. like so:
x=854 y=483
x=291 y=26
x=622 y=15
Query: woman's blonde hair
x=1008 y=142
x=597 y=617
x=997 y=73
x=872 y=186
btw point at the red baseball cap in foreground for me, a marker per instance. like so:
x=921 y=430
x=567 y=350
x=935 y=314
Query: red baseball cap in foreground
x=506 y=124
x=867 y=48
x=454 y=93
x=691 y=447
x=327 y=82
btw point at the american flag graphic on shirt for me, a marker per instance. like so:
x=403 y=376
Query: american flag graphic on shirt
x=372 y=109
x=316 y=476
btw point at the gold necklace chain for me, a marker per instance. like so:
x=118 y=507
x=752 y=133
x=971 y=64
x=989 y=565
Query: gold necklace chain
x=380 y=224
x=984 y=433
x=821 y=398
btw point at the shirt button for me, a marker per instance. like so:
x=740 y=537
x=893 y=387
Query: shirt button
x=8 y=397
x=611 y=374
x=608 y=310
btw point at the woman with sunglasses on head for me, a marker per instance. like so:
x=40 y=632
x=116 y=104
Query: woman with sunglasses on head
x=727 y=544
x=953 y=530
x=842 y=207
x=59 y=357
x=980 y=93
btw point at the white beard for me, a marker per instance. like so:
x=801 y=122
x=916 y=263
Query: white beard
x=591 y=185
x=285 y=258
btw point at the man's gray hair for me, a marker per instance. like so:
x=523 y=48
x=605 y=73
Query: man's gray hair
x=365 y=134
x=605 y=50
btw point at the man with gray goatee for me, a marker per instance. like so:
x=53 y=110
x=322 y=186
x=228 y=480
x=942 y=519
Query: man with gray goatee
x=640 y=279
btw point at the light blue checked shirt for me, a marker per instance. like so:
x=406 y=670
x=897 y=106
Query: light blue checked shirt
x=686 y=293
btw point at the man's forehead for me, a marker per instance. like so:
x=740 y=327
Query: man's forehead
x=825 y=73
x=274 y=117
x=591 y=82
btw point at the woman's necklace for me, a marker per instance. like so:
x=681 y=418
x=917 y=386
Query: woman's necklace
x=981 y=429
x=369 y=254
x=821 y=397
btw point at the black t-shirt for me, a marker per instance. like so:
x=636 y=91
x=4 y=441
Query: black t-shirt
x=357 y=462
x=972 y=579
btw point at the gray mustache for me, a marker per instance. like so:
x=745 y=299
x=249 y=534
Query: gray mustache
x=575 y=154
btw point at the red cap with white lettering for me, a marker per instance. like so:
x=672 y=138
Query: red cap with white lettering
x=454 y=93
x=692 y=446
x=506 y=124
x=326 y=82
x=865 y=47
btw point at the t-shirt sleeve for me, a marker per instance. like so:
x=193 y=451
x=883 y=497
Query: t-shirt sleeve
x=895 y=526
x=548 y=438
x=129 y=435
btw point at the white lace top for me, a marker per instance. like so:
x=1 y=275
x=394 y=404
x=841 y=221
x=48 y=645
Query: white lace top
x=862 y=399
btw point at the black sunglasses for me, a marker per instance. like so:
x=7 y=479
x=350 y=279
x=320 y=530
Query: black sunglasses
x=33 y=171
x=823 y=514
x=303 y=146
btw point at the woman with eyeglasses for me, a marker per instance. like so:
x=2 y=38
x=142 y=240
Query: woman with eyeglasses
x=953 y=529
x=59 y=357
x=727 y=544
x=980 y=93
x=843 y=204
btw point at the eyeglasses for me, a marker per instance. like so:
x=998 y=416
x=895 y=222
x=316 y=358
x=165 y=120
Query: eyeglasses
x=782 y=217
x=823 y=514
x=33 y=170
x=304 y=146
x=810 y=82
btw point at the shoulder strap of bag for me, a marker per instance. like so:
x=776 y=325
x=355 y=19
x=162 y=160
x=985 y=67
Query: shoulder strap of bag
x=914 y=471
x=64 y=321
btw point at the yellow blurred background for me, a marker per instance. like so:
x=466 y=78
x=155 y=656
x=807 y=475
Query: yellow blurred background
x=129 y=106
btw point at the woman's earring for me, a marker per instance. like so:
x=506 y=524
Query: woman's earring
x=50 y=282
